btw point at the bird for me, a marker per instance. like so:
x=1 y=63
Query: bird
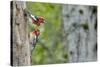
x=37 y=20
x=34 y=37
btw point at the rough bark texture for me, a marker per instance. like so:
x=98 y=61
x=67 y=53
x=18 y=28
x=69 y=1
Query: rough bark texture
x=20 y=43
x=81 y=35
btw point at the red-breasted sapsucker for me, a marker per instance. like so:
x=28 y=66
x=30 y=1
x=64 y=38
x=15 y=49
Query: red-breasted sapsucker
x=34 y=37
x=37 y=20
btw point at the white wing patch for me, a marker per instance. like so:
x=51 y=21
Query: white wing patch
x=33 y=17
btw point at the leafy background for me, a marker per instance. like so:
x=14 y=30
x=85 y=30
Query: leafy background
x=50 y=48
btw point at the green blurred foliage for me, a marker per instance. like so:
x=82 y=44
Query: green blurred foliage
x=50 y=47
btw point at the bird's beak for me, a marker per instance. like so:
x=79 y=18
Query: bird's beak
x=44 y=21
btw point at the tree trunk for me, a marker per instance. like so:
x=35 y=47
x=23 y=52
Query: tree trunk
x=20 y=49
x=81 y=36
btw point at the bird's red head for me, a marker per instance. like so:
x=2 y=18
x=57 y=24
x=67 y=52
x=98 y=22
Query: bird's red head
x=40 y=19
x=36 y=31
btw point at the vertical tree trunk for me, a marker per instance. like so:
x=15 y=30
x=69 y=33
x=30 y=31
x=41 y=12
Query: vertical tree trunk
x=20 y=48
x=81 y=36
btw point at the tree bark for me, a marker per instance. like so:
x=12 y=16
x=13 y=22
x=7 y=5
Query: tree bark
x=81 y=37
x=20 y=49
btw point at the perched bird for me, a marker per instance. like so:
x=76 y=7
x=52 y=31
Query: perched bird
x=34 y=37
x=37 y=20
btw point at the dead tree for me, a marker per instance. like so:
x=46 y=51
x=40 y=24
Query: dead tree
x=20 y=49
x=80 y=24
